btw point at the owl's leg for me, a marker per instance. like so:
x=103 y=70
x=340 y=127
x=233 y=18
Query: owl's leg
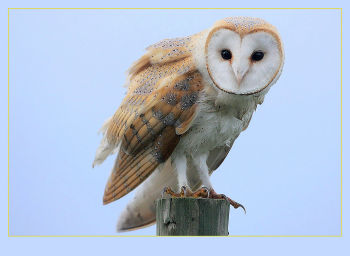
x=180 y=164
x=207 y=189
x=200 y=162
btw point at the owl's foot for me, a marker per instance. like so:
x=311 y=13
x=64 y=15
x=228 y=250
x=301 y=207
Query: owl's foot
x=203 y=192
x=186 y=192
x=214 y=195
x=183 y=192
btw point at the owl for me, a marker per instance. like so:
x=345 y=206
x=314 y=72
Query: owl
x=187 y=101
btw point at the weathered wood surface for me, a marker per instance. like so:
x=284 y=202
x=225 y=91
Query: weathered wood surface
x=192 y=217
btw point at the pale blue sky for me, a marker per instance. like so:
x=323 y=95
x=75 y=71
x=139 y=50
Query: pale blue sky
x=66 y=74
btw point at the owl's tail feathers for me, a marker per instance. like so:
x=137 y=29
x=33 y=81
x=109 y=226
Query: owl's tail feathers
x=105 y=149
x=141 y=210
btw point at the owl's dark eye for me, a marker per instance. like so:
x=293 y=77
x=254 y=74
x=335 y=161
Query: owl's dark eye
x=258 y=55
x=226 y=54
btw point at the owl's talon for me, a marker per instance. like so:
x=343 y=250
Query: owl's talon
x=235 y=205
x=165 y=189
x=169 y=191
x=207 y=191
x=201 y=193
x=183 y=191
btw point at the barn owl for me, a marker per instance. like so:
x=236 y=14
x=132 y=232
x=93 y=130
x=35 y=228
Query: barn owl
x=187 y=101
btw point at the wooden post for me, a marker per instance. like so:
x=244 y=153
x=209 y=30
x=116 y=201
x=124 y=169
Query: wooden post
x=192 y=217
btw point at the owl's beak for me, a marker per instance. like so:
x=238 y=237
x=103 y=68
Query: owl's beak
x=239 y=78
x=239 y=73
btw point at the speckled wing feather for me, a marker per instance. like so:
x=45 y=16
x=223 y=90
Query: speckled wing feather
x=158 y=109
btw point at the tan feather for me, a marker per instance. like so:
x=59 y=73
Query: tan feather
x=159 y=107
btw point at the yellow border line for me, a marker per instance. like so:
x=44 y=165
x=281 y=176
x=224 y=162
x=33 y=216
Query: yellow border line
x=341 y=116
x=176 y=236
x=341 y=122
x=8 y=122
x=150 y=8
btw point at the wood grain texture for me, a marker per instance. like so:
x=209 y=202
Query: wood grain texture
x=192 y=217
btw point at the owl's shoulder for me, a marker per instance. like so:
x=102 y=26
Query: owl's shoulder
x=167 y=52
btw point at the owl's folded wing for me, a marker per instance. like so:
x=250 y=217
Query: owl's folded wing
x=149 y=133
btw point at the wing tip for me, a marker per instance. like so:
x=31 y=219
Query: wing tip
x=122 y=228
x=108 y=200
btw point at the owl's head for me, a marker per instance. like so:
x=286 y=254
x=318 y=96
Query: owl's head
x=243 y=55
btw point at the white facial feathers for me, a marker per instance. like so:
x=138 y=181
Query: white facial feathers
x=239 y=72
